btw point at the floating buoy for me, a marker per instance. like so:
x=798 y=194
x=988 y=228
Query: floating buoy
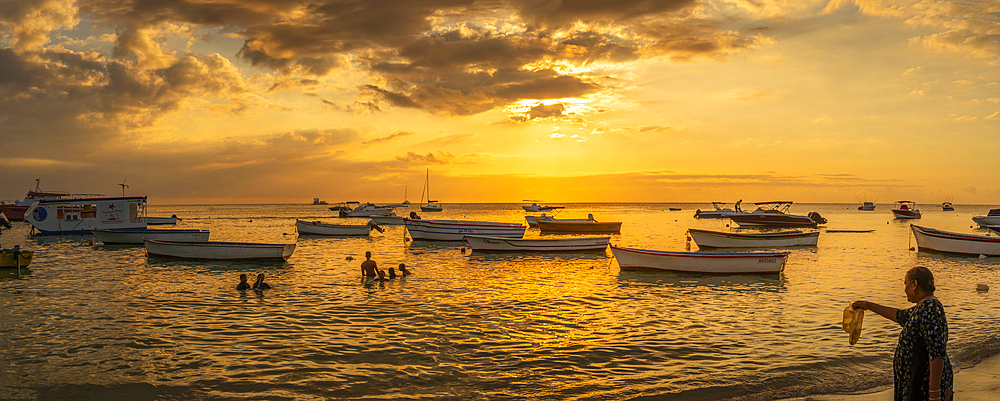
x=463 y=249
x=91 y=242
x=982 y=287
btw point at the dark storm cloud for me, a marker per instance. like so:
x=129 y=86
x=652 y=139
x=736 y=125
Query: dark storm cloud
x=551 y=110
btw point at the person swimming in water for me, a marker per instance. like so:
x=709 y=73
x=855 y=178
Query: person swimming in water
x=260 y=285
x=369 y=268
x=243 y=285
x=402 y=270
x=392 y=273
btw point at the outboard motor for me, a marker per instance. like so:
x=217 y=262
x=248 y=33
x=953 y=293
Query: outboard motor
x=343 y=213
x=590 y=216
x=817 y=218
x=697 y=213
x=414 y=216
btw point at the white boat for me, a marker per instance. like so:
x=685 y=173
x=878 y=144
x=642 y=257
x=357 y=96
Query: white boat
x=906 y=210
x=867 y=206
x=456 y=230
x=319 y=228
x=562 y=226
x=535 y=207
x=431 y=205
x=137 y=235
x=947 y=207
x=484 y=243
x=215 y=250
x=161 y=220
x=701 y=262
x=83 y=215
x=391 y=220
x=717 y=239
x=949 y=242
x=533 y=220
x=990 y=219
x=720 y=211
x=355 y=209
x=16 y=210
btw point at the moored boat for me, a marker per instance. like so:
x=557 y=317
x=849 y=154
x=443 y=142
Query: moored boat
x=15 y=257
x=950 y=242
x=701 y=262
x=161 y=220
x=720 y=211
x=906 y=210
x=718 y=239
x=775 y=214
x=137 y=235
x=586 y=226
x=215 y=250
x=947 y=207
x=535 y=207
x=456 y=230
x=320 y=228
x=867 y=206
x=83 y=215
x=533 y=220
x=355 y=209
x=391 y=220
x=431 y=205
x=990 y=219
x=17 y=209
x=484 y=243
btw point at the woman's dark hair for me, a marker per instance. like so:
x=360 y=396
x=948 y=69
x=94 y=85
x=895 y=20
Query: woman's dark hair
x=923 y=277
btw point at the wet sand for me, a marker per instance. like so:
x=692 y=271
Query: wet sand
x=978 y=383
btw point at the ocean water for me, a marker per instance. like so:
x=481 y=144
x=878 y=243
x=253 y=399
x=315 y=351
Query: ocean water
x=89 y=321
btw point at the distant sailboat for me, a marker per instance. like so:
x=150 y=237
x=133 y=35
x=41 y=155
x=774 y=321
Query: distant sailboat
x=405 y=200
x=431 y=205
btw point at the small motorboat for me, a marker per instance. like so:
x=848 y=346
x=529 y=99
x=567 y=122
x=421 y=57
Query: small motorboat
x=587 y=226
x=391 y=220
x=947 y=207
x=535 y=207
x=483 y=243
x=319 y=228
x=533 y=220
x=215 y=250
x=173 y=219
x=701 y=262
x=456 y=230
x=950 y=242
x=113 y=236
x=990 y=219
x=775 y=214
x=906 y=210
x=867 y=206
x=14 y=257
x=355 y=209
x=720 y=212
x=718 y=239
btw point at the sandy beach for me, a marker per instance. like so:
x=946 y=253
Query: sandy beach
x=978 y=383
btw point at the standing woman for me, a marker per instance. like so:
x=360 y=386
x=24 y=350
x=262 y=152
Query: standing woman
x=921 y=369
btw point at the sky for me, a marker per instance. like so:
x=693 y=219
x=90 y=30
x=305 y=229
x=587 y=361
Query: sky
x=283 y=101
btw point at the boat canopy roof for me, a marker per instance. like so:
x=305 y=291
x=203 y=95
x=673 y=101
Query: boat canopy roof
x=773 y=203
x=905 y=202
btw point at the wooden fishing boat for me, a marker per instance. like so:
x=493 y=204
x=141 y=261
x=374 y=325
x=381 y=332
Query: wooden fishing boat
x=137 y=235
x=484 y=243
x=319 y=228
x=533 y=220
x=562 y=226
x=717 y=239
x=701 y=262
x=949 y=242
x=906 y=210
x=456 y=230
x=9 y=257
x=215 y=250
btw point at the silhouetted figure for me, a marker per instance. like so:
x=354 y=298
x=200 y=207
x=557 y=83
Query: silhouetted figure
x=369 y=268
x=243 y=285
x=402 y=270
x=260 y=285
x=392 y=273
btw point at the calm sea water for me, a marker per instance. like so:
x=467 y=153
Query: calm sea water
x=105 y=322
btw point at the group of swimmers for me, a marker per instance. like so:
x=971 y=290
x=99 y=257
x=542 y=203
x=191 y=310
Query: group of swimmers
x=369 y=269
x=258 y=285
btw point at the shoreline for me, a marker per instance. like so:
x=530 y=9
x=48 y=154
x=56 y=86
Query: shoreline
x=980 y=382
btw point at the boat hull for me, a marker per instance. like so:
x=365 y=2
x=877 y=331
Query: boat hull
x=431 y=208
x=137 y=235
x=317 y=228
x=219 y=250
x=983 y=221
x=701 y=262
x=482 y=243
x=387 y=220
x=906 y=214
x=958 y=243
x=83 y=215
x=716 y=239
x=456 y=230
x=7 y=258
x=161 y=220
x=771 y=220
x=14 y=212
x=559 y=226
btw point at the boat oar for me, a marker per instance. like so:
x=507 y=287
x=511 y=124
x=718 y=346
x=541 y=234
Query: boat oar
x=376 y=227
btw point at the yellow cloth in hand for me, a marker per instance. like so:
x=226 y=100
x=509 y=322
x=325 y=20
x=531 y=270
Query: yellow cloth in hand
x=852 y=322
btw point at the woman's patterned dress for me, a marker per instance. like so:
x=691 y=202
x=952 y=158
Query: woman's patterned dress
x=924 y=338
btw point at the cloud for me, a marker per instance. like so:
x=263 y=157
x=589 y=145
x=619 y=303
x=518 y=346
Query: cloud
x=26 y=24
x=396 y=135
x=994 y=116
x=429 y=158
x=965 y=118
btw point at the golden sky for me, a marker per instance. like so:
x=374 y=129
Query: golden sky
x=259 y=101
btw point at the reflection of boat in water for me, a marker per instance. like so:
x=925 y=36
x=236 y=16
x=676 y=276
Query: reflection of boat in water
x=718 y=239
x=701 y=262
x=906 y=210
x=456 y=230
x=949 y=242
x=219 y=250
x=731 y=282
x=483 y=243
x=319 y=228
x=775 y=214
x=82 y=215
x=137 y=235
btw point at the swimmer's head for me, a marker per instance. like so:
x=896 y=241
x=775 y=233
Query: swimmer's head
x=368 y=254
